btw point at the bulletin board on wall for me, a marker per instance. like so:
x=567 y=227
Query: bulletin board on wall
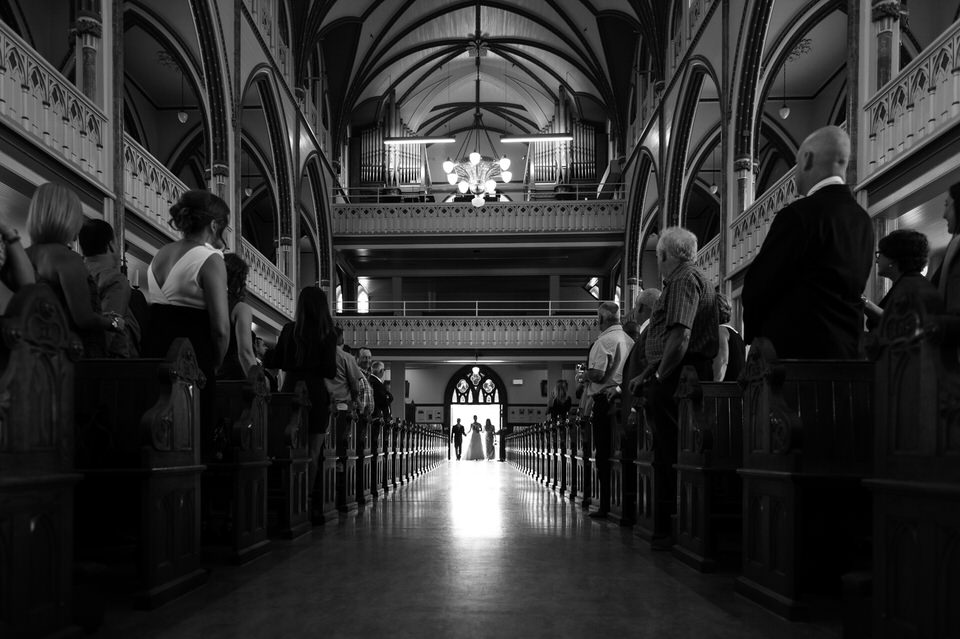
x=526 y=414
x=430 y=414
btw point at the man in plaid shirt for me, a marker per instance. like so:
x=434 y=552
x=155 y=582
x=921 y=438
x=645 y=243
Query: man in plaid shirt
x=683 y=331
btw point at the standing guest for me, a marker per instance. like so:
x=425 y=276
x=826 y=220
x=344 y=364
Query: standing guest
x=100 y=255
x=560 y=402
x=382 y=397
x=901 y=258
x=947 y=277
x=240 y=358
x=682 y=332
x=307 y=351
x=364 y=360
x=457 y=433
x=187 y=285
x=636 y=359
x=259 y=352
x=803 y=289
x=15 y=267
x=53 y=222
x=604 y=375
x=731 y=351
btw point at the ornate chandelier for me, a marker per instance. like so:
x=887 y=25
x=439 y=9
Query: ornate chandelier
x=476 y=173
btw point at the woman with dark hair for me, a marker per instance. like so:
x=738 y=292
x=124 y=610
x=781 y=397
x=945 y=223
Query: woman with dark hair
x=560 y=402
x=947 y=277
x=240 y=357
x=901 y=258
x=307 y=351
x=187 y=284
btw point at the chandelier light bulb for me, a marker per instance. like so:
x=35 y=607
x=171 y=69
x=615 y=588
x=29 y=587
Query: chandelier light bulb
x=474 y=158
x=247 y=191
x=714 y=188
x=448 y=166
x=491 y=186
x=504 y=163
x=477 y=201
x=462 y=186
x=784 y=112
x=183 y=116
x=506 y=176
x=452 y=178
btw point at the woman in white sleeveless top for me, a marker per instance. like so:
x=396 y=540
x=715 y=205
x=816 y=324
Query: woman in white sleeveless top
x=188 y=287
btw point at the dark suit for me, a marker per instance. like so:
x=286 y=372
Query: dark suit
x=458 y=433
x=803 y=289
x=382 y=398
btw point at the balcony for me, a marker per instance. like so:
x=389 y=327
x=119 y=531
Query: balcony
x=750 y=227
x=708 y=259
x=46 y=108
x=380 y=212
x=915 y=106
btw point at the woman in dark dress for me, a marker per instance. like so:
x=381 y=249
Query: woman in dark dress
x=560 y=402
x=240 y=357
x=54 y=221
x=307 y=351
x=187 y=284
x=901 y=258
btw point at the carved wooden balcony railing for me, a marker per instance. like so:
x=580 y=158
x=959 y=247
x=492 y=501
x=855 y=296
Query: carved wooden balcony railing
x=470 y=332
x=596 y=216
x=708 y=259
x=267 y=281
x=149 y=188
x=38 y=102
x=916 y=104
x=750 y=227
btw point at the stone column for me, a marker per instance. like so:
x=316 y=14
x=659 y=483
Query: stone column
x=886 y=24
x=285 y=255
x=88 y=30
x=743 y=172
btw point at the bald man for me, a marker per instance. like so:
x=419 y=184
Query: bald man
x=803 y=289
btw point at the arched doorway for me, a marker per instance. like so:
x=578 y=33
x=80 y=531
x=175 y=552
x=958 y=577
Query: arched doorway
x=475 y=390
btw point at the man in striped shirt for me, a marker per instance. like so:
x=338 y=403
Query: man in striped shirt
x=682 y=332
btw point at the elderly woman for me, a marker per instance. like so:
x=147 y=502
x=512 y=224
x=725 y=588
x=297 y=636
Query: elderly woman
x=901 y=258
x=947 y=277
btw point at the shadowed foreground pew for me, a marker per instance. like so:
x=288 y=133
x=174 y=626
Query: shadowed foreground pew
x=710 y=449
x=623 y=486
x=916 y=484
x=288 y=497
x=807 y=446
x=235 y=482
x=138 y=432
x=36 y=462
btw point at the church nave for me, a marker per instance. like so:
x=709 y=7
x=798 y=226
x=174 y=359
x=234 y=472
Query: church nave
x=471 y=549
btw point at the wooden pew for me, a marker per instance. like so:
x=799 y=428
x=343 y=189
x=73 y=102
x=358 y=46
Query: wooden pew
x=345 y=443
x=807 y=445
x=916 y=479
x=710 y=449
x=376 y=456
x=37 y=352
x=288 y=495
x=582 y=469
x=323 y=500
x=623 y=486
x=234 y=485
x=654 y=502
x=138 y=445
x=569 y=459
x=364 y=462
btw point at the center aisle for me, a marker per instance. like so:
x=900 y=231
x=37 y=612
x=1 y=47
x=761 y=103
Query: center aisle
x=472 y=549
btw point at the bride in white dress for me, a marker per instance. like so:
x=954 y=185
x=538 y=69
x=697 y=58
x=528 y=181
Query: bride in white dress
x=475 y=445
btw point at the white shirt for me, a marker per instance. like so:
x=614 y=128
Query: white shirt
x=830 y=181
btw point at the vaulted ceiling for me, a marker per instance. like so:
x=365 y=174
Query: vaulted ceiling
x=428 y=54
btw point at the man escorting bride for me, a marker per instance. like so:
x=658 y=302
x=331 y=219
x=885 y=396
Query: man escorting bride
x=474 y=446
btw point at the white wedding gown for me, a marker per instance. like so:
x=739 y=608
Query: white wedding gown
x=474 y=446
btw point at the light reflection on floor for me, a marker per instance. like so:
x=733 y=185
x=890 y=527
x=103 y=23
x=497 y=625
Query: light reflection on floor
x=475 y=508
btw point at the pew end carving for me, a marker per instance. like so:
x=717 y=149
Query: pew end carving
x=37 y=356
x=138 y=430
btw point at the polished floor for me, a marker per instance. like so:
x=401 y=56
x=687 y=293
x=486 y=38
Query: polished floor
x=472 y=549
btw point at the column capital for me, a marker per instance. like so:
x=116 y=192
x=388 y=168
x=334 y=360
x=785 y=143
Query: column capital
x=885 y=9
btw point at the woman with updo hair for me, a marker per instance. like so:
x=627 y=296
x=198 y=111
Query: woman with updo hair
x=187 y=284
x=239 y=358
x=901 y=257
